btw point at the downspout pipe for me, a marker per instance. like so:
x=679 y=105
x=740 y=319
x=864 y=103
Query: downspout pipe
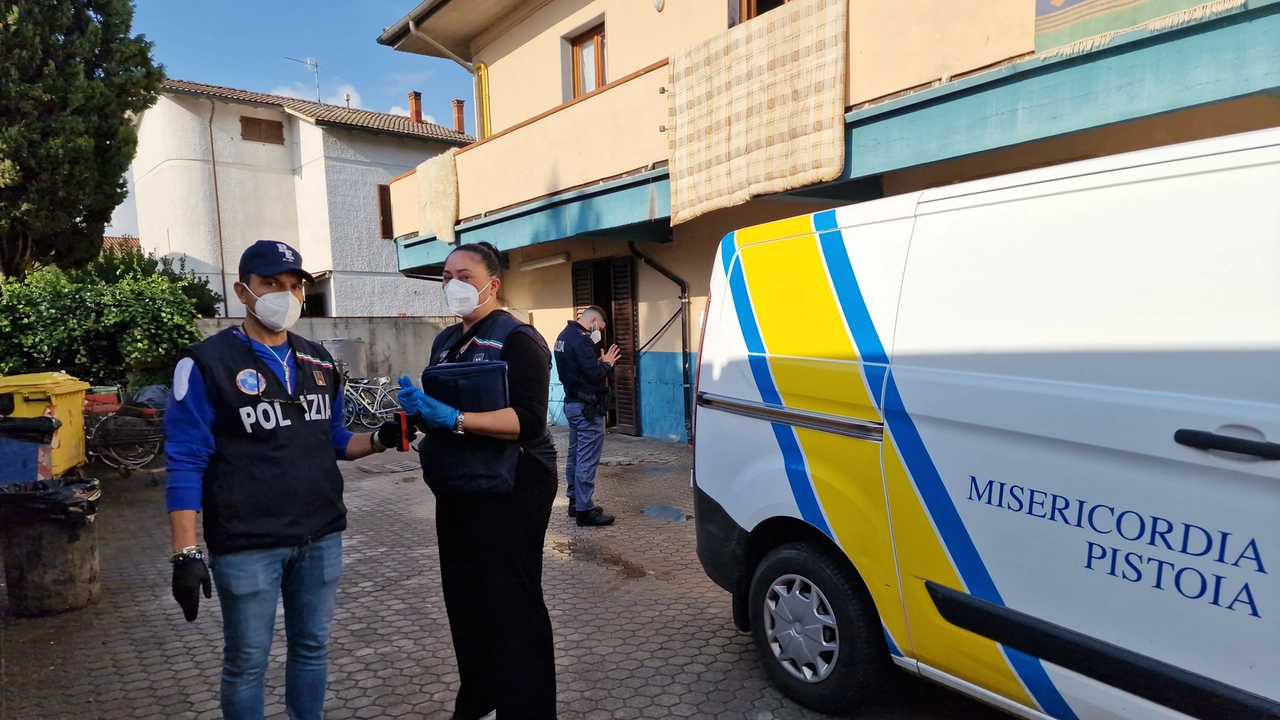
x=479 y=73
x=217 y=211
x=684 y=334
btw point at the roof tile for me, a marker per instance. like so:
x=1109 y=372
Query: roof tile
x=324 y=114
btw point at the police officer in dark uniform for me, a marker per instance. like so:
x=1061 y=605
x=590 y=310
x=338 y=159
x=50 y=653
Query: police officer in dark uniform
x=253 y=430
x=493 y=475
x=585 y=375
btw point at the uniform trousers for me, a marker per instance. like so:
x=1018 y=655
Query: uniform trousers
x=491 y=571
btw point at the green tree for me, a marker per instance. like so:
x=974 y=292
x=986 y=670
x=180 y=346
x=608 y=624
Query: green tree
x=131 y=329
x=72 y=78
x=114 y=265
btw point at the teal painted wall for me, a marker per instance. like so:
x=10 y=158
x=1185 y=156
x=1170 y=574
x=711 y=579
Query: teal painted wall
x=661 y=408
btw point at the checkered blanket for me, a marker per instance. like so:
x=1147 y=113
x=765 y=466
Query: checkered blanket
x=759 y=109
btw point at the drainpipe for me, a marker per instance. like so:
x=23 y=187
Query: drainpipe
x=479 y=74
x=684 y=333
x=217 y=211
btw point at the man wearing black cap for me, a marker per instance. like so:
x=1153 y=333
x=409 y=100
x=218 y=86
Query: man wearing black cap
x=253 y=431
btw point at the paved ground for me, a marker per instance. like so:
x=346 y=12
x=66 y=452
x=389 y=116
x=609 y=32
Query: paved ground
x=640 y=631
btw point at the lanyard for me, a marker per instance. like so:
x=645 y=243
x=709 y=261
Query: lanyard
x=284 y=364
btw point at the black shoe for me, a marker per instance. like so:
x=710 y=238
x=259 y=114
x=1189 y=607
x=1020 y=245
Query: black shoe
x=594 y=517
x=573 y=511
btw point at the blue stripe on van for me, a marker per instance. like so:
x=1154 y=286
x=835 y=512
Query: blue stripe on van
x=893 y=646
x=792 y=456
x=960 y=545
x=916 y=456
x=871 y=352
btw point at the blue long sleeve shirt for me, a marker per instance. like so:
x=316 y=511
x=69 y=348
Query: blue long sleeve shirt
x=188 y=425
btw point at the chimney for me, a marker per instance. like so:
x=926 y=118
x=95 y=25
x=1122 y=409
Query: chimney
x=415 y=107
x=459 y=118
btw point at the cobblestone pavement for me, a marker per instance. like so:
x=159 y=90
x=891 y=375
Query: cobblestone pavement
x=640 y=631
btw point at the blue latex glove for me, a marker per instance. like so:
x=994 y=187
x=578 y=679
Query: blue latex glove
x=415 y=402
x=410 y=397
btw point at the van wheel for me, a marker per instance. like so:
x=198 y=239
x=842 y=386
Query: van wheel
x=816 y=629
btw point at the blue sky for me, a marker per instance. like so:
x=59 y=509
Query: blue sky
x=243 y=44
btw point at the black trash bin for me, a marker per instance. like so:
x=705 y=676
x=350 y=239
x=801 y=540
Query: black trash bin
x=49 y=543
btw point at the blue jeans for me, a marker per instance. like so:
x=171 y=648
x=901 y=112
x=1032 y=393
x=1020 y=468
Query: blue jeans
x=586 y=442
x=250 y=585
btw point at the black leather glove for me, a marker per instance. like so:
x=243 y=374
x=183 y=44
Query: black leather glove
x=189 y=577
x=389 y=433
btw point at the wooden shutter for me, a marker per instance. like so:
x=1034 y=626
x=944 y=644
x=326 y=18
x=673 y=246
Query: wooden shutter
x=626 y=323
x=384 y=212
x=582 y=286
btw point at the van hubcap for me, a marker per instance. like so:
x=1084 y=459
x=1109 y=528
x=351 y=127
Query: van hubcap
x=801 y=628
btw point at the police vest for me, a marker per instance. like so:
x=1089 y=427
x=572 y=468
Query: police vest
x=477 y=463
x=272 y=480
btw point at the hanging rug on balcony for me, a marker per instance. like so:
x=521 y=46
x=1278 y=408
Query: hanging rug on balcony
x=759 y=109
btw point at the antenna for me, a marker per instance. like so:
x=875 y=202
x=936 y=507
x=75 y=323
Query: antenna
x=315 y=68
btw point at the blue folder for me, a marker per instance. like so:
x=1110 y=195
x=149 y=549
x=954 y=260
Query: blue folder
x=469 y=386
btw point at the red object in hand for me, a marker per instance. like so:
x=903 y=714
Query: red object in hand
x=402 y=419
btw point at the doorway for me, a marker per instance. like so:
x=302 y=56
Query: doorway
x=610 y=283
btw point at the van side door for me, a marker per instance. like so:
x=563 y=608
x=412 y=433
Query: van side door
x=1069 y=352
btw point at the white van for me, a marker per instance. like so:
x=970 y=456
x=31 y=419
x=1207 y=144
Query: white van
x=1020 y=436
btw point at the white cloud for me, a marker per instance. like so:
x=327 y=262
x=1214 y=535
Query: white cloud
x=337 y=97
x=302 y=91
x=399 y=110
x=297 y=90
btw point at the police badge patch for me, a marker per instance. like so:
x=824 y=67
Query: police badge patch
x=319 y=376
x=251 y=382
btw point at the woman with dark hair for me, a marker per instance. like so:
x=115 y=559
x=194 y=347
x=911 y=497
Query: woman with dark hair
x=494 y=478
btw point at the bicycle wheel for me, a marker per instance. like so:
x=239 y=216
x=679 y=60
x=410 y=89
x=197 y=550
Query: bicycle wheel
x=350 y=408
x=368 y=414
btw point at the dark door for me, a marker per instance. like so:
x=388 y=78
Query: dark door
x=610 y=284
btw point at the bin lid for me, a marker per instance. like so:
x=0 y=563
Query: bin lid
x=53 y=383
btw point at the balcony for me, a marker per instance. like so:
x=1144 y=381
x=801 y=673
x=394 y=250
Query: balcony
x=561 y=172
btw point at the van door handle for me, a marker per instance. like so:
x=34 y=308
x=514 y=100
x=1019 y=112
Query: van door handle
x=1205 y=440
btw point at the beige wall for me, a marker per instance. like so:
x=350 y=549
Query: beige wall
x=404 y=205
x=895 y=46
x=603 y=136
x=528 y=56
x=1226 y=118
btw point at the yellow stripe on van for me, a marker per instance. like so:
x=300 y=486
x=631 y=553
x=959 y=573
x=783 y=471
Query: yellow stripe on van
x=846 y=476
x=799 y=319
x=935 y=641
x=790 y=227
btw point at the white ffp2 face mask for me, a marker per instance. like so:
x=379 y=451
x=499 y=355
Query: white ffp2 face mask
x=277 y=311
x=595 y=336
x=461 y=297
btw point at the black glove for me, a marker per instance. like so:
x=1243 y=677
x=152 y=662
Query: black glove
x=189 y=576
x=389 y=433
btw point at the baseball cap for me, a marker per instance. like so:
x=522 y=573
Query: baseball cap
x=268 y=257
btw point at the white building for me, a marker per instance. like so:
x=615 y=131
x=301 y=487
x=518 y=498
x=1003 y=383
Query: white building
x=218 y=168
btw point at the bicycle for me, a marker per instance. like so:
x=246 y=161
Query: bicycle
x=123 y=435
x=368 y=403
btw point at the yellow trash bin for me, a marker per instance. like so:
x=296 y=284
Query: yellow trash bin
x=59 y=395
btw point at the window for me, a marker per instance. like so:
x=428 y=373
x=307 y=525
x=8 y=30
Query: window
x=259 y=130
x=589 y=64
x=756 y=8
x=384 y=213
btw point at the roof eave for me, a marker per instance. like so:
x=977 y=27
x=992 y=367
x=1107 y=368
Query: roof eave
x=220 y=98
x=386 y=131
x=393 y=35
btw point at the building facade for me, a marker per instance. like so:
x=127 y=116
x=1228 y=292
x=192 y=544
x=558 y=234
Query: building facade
x=217 y=169
x=621 y=140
